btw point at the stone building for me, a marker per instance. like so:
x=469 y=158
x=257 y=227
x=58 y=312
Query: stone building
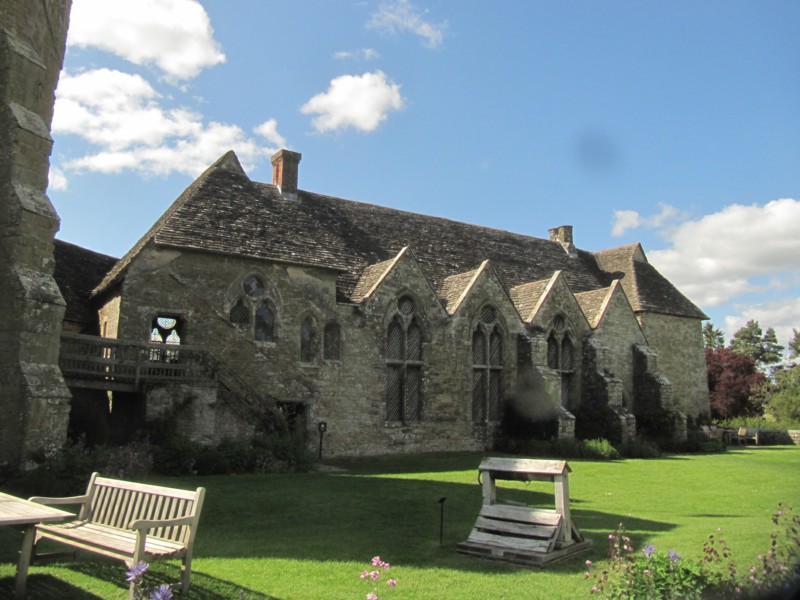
x=34 y=400
x=396 y=332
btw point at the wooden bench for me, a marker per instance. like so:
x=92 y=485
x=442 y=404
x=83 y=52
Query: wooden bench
x=131 y=522
x=746 y=434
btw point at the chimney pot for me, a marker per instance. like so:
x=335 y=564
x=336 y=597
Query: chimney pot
x=285 y=165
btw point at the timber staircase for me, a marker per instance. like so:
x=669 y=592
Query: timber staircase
x=94 y=362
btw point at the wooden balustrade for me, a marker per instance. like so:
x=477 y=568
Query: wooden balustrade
x=106 y=363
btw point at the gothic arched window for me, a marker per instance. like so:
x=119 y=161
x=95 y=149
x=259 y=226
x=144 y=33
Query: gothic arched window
x=253 y=311
x=404 y=363
x=308 y=341
x=487 y=367
x=561 y=356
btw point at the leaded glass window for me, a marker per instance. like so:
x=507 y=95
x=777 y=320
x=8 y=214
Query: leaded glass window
x=308 y=341
x=253 y=312
x=404 y=364
x=487 y=367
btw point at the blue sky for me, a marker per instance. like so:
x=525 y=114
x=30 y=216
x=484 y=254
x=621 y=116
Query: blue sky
x=674 y=124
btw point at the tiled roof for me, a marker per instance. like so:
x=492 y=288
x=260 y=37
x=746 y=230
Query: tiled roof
x=646 y=288
x=224 y=211
x=591 y=303
x=77 y=272
x=454 y=287
x=527 y=295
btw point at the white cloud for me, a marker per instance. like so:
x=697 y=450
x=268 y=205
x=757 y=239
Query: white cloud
x=121 y=115
x=358 y=101
x=363 y=54
x=625 y=220
x=269 y=131
x=732 y=252
x=402 y=16
x=782 y=314
x=174 y=35
x=57 y=181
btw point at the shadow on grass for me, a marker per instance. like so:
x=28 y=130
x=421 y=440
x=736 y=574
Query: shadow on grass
x=203 y=587
x=45 y=587
x=350 y=518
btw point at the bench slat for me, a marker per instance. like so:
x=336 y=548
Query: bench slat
x=530 y=545
x=520 y=529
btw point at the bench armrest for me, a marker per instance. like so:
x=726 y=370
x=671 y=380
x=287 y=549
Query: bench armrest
x=66 y=500
x=152 y=524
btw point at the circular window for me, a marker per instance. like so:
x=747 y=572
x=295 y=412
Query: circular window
x=253 y=286
x=405 y=305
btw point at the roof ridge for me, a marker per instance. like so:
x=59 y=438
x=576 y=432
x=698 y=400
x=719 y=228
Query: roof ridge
x=228 y=161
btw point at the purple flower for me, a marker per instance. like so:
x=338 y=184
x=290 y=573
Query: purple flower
x=391 y=583
x=649 y=550
x=162 y=592
x=375 y=575
x=137 y=571
x=376 y=560
x=674 y=556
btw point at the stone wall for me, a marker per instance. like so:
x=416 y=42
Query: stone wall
x=34 y=400
x=617 y=333
x=678 y=342
x=347 y=394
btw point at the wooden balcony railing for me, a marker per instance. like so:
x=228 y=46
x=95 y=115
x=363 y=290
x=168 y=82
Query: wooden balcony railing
x=105 y=363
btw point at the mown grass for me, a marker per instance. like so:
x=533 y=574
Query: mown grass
x=309 y=535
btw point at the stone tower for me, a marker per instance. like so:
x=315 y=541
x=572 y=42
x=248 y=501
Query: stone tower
x=34 y=400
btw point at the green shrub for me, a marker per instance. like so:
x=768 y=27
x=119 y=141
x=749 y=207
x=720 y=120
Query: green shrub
x=640 y=447
x=595 y=422
x=176 y=455
x=64 y=472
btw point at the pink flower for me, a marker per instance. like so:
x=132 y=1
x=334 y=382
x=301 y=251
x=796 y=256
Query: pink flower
x=588 y=563
x=372 y=596
x=385 y=566
x=364 y=575
x=586 y=575
x=374 y=575
x=391 y=583
x=376 y=560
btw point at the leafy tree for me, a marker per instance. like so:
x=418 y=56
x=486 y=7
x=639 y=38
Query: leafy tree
x=733 y=383
x=794 y=345
x=771 y=350
x=751 y=341
x=747 y=340
x=783 y=401
x=712 y=337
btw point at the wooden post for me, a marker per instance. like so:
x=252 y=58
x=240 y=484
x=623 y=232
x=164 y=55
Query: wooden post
x=562 y=506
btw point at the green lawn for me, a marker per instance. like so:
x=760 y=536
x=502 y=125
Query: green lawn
x=309 y=535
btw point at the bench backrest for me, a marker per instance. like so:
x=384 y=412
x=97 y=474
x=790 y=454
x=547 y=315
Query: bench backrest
x=118 y=503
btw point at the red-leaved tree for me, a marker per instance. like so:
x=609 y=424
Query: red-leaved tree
x=733 y=380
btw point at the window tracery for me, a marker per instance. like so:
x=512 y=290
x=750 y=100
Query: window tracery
x=253 y=311
x=404 y=364
x=487 y=367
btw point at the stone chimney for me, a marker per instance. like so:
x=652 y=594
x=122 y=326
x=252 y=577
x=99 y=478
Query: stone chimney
x=563 y=235
x=285 y=165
